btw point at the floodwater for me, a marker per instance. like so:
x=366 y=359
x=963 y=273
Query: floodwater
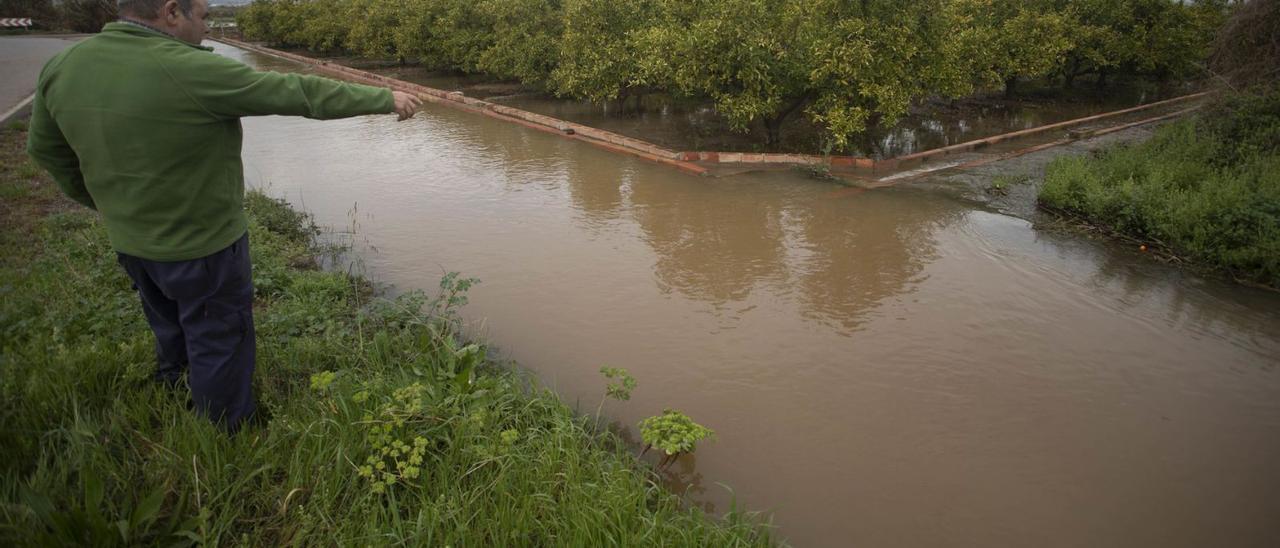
x=883 y=368
x=684 y=125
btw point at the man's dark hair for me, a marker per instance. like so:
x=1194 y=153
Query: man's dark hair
x=148 y=9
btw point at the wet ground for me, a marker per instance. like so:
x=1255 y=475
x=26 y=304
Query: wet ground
x=898 y=366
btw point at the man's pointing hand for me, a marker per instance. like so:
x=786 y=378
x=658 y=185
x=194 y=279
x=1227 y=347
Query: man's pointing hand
x=406 y=104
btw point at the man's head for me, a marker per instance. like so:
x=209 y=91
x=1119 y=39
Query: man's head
x=182 y=18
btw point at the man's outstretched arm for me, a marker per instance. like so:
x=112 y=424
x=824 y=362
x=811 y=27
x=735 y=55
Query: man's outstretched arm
x=50 y=150
x=230 y=89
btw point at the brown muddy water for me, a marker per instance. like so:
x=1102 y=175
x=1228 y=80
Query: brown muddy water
x=883 y=368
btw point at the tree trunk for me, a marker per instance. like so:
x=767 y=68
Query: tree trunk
x=1010 y=86
x=773 y=131
x=773 y=124
x=1102 y=78
x=873 y=125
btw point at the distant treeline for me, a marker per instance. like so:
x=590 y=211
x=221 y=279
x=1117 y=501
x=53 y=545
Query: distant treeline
x=846 y=64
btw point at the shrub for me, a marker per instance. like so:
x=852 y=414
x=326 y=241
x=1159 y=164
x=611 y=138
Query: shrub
x=1207 y=188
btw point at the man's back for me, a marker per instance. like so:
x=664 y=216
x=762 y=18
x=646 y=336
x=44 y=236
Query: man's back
x=145 y=128
x=143 y=124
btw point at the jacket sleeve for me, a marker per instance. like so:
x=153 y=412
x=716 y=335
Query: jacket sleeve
x=51 y=151
x=228 y=88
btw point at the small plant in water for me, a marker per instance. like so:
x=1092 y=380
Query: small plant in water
x=1001 y=183
x=621 y=390
x=674 y=433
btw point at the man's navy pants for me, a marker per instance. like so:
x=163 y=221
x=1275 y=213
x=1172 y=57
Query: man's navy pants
x=201 y=312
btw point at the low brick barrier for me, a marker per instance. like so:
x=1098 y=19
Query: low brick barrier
x=598 y=137
x=693 y=162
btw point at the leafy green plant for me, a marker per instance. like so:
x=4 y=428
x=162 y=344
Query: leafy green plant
x=674 y=433
x=321 y=381
x=620 y=390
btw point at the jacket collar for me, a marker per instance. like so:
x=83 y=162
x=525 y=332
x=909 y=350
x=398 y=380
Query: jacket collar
x=142 y=29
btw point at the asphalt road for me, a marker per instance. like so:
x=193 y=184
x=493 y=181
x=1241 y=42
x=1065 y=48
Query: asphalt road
x=21 y=58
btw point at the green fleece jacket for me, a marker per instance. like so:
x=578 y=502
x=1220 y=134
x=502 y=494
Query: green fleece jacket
x=145 y=128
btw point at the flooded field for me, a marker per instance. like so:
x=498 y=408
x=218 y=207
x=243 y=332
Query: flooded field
x=685 y=125
x=883 y=368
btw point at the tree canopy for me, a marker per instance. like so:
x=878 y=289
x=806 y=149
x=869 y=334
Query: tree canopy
x=844 y=64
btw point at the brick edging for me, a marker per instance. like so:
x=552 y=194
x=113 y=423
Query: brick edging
x=595 y=136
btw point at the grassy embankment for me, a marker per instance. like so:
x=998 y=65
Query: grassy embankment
x=381 y=431
x=1204 y=190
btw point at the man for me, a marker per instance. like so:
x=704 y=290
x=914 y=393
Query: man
x=143 y=124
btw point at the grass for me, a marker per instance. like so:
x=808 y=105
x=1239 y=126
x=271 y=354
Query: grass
x=1206 y=189
x=385 y=427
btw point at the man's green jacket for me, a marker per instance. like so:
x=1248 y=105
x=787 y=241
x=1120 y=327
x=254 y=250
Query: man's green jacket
x=145 y=128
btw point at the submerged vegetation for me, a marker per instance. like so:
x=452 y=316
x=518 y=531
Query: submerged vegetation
x=846 y=65
x=382 y=425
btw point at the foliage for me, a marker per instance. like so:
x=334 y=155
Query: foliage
x=599 y=55
x=93 y=453
x=526 y=40
x=1009 y=40
x=255 y=21
x=87 y=15
x=847 y=66
x=1158 y=38
x=1246 y=50
x=621 y=390
x=1207 y=188
x=870 y=64
x=326 y=25
x=673 y=432
x=374 y=27
x=461 y=33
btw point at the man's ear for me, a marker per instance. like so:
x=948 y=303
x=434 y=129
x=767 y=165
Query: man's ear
x=171 y=12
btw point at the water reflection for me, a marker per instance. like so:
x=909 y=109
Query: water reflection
x=862 y=253
x=597 y=189
x=713 y=243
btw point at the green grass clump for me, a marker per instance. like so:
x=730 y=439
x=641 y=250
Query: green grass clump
x=385 y=426
x=1205 y=188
